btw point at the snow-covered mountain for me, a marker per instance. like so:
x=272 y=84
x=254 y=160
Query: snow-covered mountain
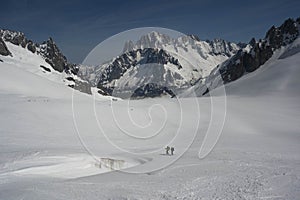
x=44 y=59
x=203 y=65
x=158 y=59
x=279 y=41
x=155 y=65
x=139 y=68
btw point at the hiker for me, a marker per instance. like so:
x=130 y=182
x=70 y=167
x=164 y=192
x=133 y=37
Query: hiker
x=167 y=150
x=172 y=150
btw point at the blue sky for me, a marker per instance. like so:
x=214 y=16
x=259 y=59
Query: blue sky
x=78 y=26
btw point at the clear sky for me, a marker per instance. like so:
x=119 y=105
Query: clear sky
x=78 y=26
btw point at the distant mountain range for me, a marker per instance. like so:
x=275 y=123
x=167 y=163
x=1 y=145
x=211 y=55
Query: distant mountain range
x=156 y=64
x=160 y=60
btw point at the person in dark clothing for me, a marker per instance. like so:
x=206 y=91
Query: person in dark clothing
x=172 y=150
x=167 y=150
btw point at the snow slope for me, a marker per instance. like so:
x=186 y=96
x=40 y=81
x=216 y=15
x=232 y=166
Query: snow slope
x=52 y=141
x=279 y=76
x=30 y=62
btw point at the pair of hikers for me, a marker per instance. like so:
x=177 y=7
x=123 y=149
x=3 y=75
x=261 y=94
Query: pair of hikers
x=168 y=149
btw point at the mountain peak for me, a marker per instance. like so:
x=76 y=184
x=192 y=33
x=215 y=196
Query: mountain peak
x=176 y=62
x=48 y=54
x=284 y=34
x=194 y=37
x=158 y=40
x=255 y=54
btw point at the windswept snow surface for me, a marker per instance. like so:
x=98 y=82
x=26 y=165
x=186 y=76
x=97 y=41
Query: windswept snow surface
x=45 y=155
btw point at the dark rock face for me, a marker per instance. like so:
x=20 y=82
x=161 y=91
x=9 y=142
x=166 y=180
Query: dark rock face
x=130 y=59
x=14 y=37
x=218 y=44
x=56 y=59
x=31 y=46
x=243 y=62
x=3 y=48
x=49 y=51
x=45 y=68
x=70 y=79
x=18 y=38
x=260 y=51
x=53 y=55
x=105 y=90
x=151 y=90
x=283 y=35
x=72 y=68
x=194 y=37
x=83 y=86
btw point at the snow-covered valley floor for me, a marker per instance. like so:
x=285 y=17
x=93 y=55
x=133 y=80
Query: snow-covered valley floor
x=47 y=151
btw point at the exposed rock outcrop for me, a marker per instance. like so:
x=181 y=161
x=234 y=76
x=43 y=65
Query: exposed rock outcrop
x=49 y=51
x=121 y=64
x=3 y=48
x=83 y=86
x=53 y=56
x=256 y=53
x=152 y=90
